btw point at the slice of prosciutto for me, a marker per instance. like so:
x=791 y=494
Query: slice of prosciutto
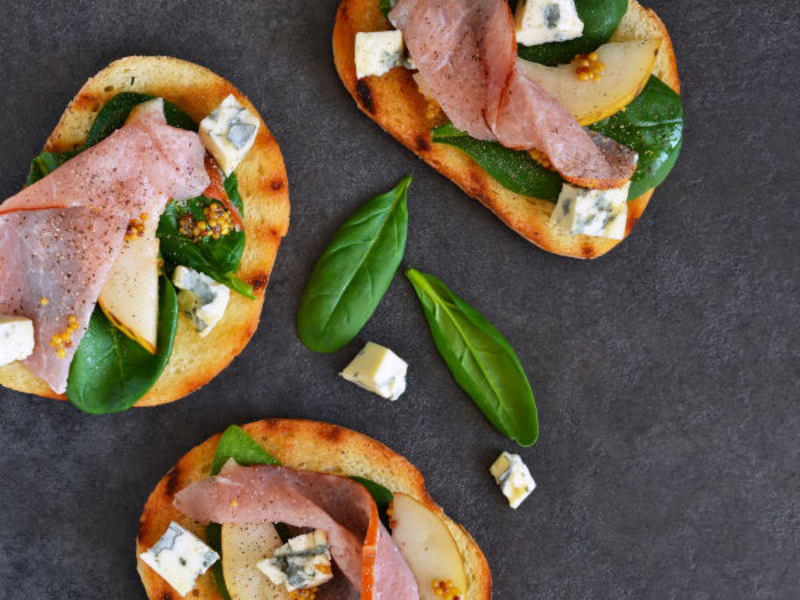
x=466 y=54
x=60 y=236
x=360 y=545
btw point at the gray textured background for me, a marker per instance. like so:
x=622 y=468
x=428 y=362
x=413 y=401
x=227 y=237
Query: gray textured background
x=666 y=373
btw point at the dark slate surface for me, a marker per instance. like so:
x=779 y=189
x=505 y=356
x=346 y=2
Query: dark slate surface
x=666 y=373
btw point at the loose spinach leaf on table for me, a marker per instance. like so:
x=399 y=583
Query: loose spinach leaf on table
x=513 y=169
x=483 y=363
x=219 y=259
x=652 y=125
x=110 y=371
x=600 y=20
x=116 y=111
x=352 y=275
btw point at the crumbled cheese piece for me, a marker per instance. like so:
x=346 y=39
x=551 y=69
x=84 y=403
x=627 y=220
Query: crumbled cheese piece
x=180 y=558
x=378 y=370
x=302 y=562
x=229 y=132
x=600 y=213
x=542 y=21
x=378 y=52
x=201 y=298
x=16 y=338
x=513 y=477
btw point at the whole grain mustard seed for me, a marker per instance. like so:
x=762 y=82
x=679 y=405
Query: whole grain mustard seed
x=136 y=228
x=61 y=341
x=588 y=66
x=218 y=222
x=446 y=589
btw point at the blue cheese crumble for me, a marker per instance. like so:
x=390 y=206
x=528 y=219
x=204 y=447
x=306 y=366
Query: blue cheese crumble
x=180 y=558
x=378 y=370
x=513 y=477
x=229 y=132
x=378 y=52
x=201 y=298
x=599 y=213
x=16 y=339
x=302 y=562
x=543 y=21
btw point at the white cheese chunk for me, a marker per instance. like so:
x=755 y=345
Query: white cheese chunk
x=16 y=339
x=180 y=558
x=513 y=477
x=302 y=562
x=229 y=132
x=378 y=370
x=542 y=21
x=201 y=298
x=378 y=52
x=599 y=213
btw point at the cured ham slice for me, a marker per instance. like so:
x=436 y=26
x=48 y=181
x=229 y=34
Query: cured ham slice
x=466 y=54
x=60 y=236
x=360 y=545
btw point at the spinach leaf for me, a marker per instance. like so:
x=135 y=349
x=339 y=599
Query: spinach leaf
x=236 y=444
x=483 y=363
x=219 y=259
x=110 y=371
x=600 y=20
x=116 y=111
x=354 y=272
x=513 y=169
x=46 y=163
x=380 y=494
x=652 y=125
x=231 y=185
x=386 y=6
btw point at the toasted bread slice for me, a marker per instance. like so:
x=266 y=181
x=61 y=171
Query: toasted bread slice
x=396 y=104
x=262 y=184
x=311 y=446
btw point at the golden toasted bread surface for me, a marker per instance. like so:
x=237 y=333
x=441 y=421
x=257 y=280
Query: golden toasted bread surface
x=396 y=104
x=262 y=184
x=308 y=445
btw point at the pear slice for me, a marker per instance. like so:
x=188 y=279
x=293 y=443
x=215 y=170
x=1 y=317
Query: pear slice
x=244 y=545
x=427 y=546
x=129 y=297
x=627 y=69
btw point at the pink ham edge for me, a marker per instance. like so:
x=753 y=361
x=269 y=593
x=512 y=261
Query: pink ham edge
x=60 y=236
x=465 y=51
x=335 y=504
